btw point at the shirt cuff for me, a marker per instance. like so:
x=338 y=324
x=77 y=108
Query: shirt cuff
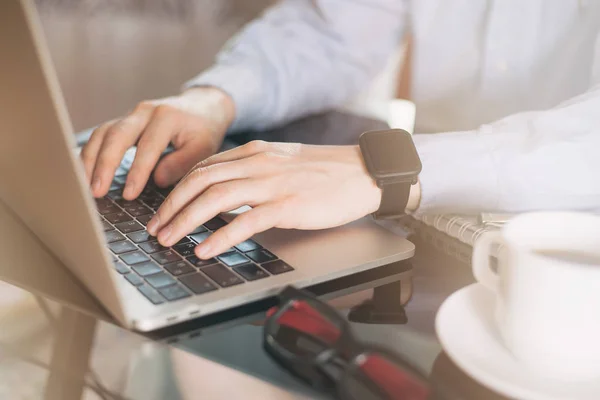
x=458 y=173
x=242 y=85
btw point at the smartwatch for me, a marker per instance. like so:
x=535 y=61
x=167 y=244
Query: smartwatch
x=392 y=161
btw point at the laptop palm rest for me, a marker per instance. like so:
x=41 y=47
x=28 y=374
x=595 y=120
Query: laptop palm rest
x=28 y=264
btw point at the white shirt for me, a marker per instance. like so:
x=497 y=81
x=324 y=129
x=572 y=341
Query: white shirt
x=511 y=86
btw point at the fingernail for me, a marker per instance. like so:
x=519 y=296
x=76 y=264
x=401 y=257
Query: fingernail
x=152 y=225
x=164 y=235
x=203 y=251
x=96 y=184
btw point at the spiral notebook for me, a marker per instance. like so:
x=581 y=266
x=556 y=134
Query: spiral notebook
x=452 y=234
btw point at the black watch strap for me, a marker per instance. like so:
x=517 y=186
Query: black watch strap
x=394 y=199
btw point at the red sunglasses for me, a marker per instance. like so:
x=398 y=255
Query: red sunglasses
x=315 y=343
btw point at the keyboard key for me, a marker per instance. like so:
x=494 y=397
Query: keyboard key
x=118 y=217
x=233 y=259
x=152 y=247
x=151 y=294
x=200 y=237
x=150 y=195
x=134 y=257
x=128 y=203
x=115 y=194
x=215 y=223
x=248 y=245
x=140 y=237
x=261 y=256
x=199 y=229
x=113 y=236
x=146 y=268
x=165 y=191
x=121 y=268
x=153 y=201
x=134 y=279
x=179 y=268
x=106 y=226
x=160 y=280
x=174 y=292
x=149 y=189
x=250 y=272
x=103 y=202
x=184 y=240
x=121 y=247
x=108 y=209
x=195 y=261
x=166 y=257
x=197 y=283
x=185 y=249
x=277 y=267
x=138 y=211
x=129 y=226
x=223 y=276
x=144 y=219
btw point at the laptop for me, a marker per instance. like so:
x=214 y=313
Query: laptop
x=103 y=242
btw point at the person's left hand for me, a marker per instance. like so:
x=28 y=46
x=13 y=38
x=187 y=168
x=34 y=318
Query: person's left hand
x=289 y=185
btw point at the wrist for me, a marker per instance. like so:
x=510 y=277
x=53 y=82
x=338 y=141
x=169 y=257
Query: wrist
x=211 y=102
x=414 y=198
x=372 y=192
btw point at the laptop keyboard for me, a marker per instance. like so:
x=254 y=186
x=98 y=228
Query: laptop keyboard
x=164 y=274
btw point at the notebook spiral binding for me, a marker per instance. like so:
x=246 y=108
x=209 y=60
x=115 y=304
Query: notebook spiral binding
x=452 y=234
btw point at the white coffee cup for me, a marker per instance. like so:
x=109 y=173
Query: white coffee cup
x=547 y=287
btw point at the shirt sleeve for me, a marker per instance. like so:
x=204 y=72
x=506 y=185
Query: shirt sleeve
x=539 y=160
x=303 y=57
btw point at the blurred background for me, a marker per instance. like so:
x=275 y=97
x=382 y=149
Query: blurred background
x=110 y=54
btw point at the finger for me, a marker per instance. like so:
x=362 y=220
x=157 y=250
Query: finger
x=219 y=198
x=119 y=137
x=89 y=152
x=243 y=227
x=161 y=128
x=199 y=180
x=175 y=165
x=238 y=153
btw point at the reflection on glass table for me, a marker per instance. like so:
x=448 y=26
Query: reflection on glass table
x=45 y=350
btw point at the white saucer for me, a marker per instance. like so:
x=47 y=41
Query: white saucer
x=467 y=332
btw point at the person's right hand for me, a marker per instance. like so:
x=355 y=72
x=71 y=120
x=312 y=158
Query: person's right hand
x=194 y=122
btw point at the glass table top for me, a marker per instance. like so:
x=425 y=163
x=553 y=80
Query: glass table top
x=45 y=349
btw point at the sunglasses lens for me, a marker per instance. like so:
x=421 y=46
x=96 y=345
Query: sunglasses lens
x=380 y=377
x=304 y=331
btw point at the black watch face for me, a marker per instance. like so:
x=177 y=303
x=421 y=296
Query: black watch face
x=390 y=153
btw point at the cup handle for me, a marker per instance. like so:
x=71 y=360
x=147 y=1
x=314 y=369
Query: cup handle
x=482 y=270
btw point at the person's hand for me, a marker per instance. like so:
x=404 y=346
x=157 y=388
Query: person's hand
x=288 y=185
x=194 y=122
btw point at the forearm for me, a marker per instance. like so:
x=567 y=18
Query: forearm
x=303 y=57
x=529 y=161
